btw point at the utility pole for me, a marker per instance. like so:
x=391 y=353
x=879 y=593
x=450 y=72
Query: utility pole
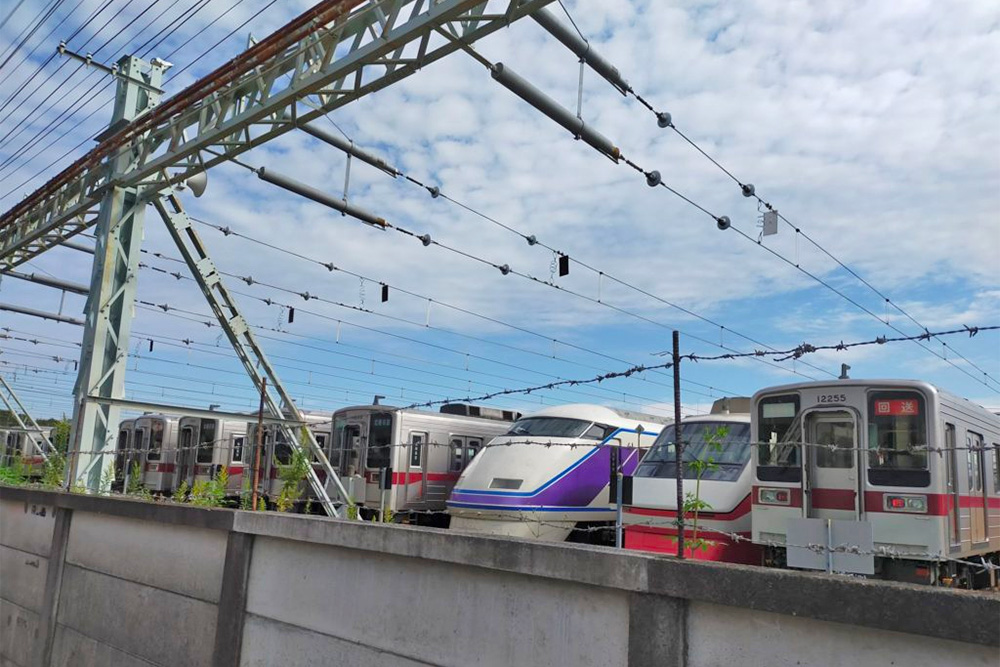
x=678 y=445
x=259 y=444
x=110 y=305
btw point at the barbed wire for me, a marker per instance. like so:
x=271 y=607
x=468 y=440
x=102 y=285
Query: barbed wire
x=798 y=351
x=489 y=442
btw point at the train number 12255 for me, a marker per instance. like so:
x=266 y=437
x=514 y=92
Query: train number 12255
x=831 y=398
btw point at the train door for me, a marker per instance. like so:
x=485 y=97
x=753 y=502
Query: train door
x=121 y=452
x=831 y=470
x=977 y=487
x=186 y=456
x=350 y=454
x=235 y=458
x=139 y=443
x=954 y=512
x=414 y=478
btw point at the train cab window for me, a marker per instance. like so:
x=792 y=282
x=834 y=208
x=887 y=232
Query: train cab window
x=282 y=450
x=727 y=444
x=321 y=441
x=472 y=448
x=597 y=432
x=552 y=427
x=779 y=432
x=155 y=440
x=456 y=463
x=238 y=443
x=897 y=439
x=122 y=440
x=379 y=440
x=206 y=441
x=417 y=441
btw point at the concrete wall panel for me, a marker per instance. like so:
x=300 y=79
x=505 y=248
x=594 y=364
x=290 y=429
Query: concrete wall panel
x=267 y=642
x=184 y=559
x=163 y=627
x=721 y=635
x=19 y=630
x=72 y=649
x=22 y=578
x=441 y=613
x=26 y=526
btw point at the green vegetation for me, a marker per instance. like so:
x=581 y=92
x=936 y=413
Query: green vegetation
x=693 y=503
x=54 y=470
x=211 y=493
x=15 y=473
x=291 y=476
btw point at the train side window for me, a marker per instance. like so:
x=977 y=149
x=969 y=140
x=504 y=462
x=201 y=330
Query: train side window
x=238 y=449
x=457 y=446
x=996 y=469
x=417 y=441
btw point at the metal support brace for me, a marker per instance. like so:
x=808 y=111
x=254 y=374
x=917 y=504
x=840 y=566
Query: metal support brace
x=245 y=344
x=110 y=306
x=14 y=405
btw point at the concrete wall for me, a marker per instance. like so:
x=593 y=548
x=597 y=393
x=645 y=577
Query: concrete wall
x=88 y=581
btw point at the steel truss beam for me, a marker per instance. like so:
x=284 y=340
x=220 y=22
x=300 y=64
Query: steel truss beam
x=108 y=321
x=245 y=344
x=17 y=409
x=339 y=51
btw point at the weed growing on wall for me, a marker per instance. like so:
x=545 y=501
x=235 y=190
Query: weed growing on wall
x=291 y=477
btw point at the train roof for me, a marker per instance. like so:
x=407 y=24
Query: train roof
x=877 y=382
x=599 y=413
x=489 y=414
x=732 y=417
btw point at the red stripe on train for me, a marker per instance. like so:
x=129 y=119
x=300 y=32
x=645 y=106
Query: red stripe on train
x=414 y=477
x=739 y=511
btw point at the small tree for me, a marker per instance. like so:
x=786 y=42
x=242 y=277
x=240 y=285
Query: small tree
x=693 y=503
x=135 y=485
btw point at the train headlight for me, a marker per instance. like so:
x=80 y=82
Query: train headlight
x=908 y=503
x=774 y=496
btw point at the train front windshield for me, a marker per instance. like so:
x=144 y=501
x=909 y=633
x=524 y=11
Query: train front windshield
x=725 y=444
x=558 y=427
x=379 y=440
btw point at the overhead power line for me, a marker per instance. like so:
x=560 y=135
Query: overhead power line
x=665 y=120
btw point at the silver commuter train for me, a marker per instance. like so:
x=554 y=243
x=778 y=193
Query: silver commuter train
x=867 y=460
x=549 y=474
x=424 y=453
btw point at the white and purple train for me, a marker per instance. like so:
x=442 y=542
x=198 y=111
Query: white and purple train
x=549 y=474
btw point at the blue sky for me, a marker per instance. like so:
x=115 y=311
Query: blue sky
x=871 y=126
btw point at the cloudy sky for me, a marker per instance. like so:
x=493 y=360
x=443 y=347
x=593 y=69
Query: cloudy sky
x=871 y=126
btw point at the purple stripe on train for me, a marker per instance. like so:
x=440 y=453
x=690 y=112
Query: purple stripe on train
x=576 y=488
